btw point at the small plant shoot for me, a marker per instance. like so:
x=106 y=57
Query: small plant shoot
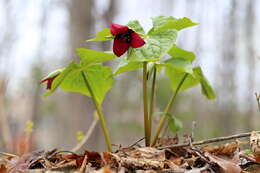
x=151 y=51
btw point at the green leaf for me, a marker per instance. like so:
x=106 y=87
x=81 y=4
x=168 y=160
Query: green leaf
x=176 y=77
x=177 y=52
x=136 y=26
x=89 y=56
x=103 y=35
x=174 y=124
x=125 y=66
x=156 y=46
x=248 y=151
x=160 y=21
x=171 y=23
x=179 y=64
x=180 y=24
x=99 y=77
x=205 y=86
x=58 y=80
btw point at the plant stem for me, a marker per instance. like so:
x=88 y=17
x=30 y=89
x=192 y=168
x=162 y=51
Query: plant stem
x=152 y=100
x=147 y=129
x=99 y=112
x=167 y=109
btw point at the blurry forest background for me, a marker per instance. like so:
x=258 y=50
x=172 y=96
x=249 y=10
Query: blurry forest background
x=39 y=36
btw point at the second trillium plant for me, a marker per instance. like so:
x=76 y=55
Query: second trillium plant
x=136 y=49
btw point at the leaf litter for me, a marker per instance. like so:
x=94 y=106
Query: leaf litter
x=224 y=158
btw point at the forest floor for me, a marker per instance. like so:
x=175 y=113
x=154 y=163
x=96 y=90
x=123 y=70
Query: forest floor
x=168 y=156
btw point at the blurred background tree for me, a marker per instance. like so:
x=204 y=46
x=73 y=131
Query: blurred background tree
x=40 y=36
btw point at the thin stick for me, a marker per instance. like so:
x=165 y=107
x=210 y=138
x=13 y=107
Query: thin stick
x=86 y=137
x=147 y=128
x=134 y=144
x=167 y=109
x=8 y=154
x=207 y=141
x=99 y=112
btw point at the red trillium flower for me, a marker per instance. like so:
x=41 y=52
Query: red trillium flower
x=49 y=80
x=124 y=38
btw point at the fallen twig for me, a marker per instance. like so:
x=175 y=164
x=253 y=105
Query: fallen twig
x=136 y=143
x=88 y=133
x=207 y=141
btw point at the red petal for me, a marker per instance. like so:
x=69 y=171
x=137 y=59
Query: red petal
x=120 y=46
x=49 y=81
x=116 y=29
x=136 y=40
x=44 y=80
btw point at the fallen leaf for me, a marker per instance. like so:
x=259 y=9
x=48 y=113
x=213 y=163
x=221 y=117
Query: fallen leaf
x=224 y=149
x=226 y=166
x=255 y=145
x=167 y=141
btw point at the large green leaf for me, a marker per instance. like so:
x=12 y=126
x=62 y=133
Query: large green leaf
x=58 y=80
x=171 y=23
x=136 y=26
x=103 y=35
x=177 y=52
x=160 y=21
x=125 y=66
x=205 y=86
x=156 y=46
x=179 y=64
x=99 y=77
x=89 y=56
x=176 y=77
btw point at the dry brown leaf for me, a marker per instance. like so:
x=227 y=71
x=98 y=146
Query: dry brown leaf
x=167 y=141
x=3 y=169
x=95 y=159
x=226 y=165
x=24 y=162
x=110 y=160
x=255 y=145
x=177 y=161
x=145 y=153
x=104 y=170
x=224 y=149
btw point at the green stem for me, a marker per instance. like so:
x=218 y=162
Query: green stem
x=99 y=112
x=147 y=128
x=152 y=100
x=167 y=109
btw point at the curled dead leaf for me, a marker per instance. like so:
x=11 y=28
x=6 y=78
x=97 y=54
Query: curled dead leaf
x=255 y=145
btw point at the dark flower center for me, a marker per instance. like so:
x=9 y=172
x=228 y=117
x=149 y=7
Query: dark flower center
x=126 y=36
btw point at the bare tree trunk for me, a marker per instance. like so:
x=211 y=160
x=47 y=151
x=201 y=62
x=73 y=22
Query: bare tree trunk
x=78 y=109
x=250 y=59
x=226 y=73
x=37 y=70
